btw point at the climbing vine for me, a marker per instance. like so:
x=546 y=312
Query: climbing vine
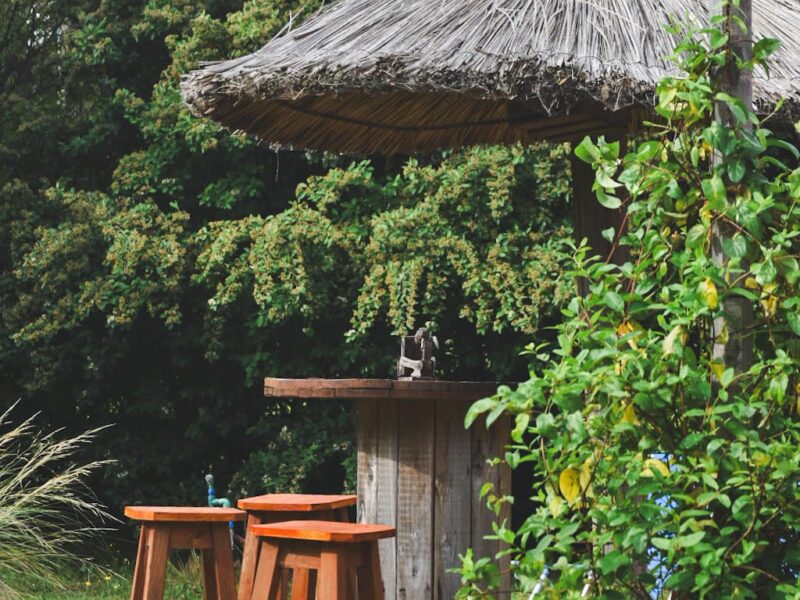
x=660 y=470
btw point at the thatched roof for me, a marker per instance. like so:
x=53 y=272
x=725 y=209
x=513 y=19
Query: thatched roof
x=409 y=75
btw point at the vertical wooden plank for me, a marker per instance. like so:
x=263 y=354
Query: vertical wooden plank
x=137 y=587
x=415 y=500
x=249 y=558
x=487 y=444
x=157 y=557
x=387 y=490
x=367 y=433
x=209 y=576
x=223 y=561
x=332 y=580
x=452 y=492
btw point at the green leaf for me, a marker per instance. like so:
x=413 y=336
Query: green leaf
x=793 y=319
x=662 y=543
x=587 y=151
x=714 y=190
x=687 y=541
x=610 y=202
x=614 y=301
x=736 y=170
x=735 y=247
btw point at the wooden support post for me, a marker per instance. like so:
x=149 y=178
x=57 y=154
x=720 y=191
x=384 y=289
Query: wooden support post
x=737 y=350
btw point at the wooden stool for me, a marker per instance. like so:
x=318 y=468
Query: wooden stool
x=271 y=508
x=165 y=528
x=345 y=556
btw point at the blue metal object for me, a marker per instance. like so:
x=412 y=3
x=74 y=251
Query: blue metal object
x=218 y=502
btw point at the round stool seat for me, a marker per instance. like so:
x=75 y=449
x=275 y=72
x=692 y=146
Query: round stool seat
x=184 y=514
x=297 y=502
x=324 y=531
x=165 y=528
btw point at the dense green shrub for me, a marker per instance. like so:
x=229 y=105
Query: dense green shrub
x=660 y=470
x=154 y=268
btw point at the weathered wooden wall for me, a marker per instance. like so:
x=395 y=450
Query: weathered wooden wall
x=420 y=470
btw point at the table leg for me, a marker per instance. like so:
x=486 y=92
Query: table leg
x=137 y=586
x=249 y=558
x=266 y=578
x=300 y=584
x=208 y=566
x=157 y=557
x=332 y=577
x=223 y=561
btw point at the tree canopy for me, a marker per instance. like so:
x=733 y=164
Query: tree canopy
x=154 y=268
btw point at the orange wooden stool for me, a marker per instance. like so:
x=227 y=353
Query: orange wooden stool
x=271 y=508
x=165 y=528
x=345 y=556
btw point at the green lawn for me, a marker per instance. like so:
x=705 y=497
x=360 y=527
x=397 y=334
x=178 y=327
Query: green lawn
x=183 y=583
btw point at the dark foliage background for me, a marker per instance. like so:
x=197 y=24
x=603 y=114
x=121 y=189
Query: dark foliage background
x=153 y=268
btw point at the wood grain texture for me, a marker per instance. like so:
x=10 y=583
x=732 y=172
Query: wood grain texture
x=209 y=575
x=452 y=486
x=137 y=585
x=387 y=471
x=156 y=563
x=414 y=501
x=201 y=514
x=249 y=559
x=367 y=461
x=267 y=572
x=324 y=531
x=296 y=502
x=223 y=562
x=487 y=444
x=332 y=579
x=379 y=389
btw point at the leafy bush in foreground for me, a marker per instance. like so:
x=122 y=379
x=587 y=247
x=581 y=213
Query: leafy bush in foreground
x=661 y=468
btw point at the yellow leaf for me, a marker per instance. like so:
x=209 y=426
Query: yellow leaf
x=751 y=283
x=718 y=368
x=585 y=479
x=761 y=459
x=654 y=463
x=708 y=292
x=669 y=342
x=556 y=506
x=770 y=306
x=569 y=484
x=629 y=415
x=724 y=335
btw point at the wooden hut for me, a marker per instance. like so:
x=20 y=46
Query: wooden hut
x=404 y=76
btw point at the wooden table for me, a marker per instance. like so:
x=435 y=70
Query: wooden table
x=420 y=471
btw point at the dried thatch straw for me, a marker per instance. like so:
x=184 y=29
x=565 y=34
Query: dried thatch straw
x=407 y=75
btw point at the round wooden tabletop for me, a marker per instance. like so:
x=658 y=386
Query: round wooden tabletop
x=380 y=389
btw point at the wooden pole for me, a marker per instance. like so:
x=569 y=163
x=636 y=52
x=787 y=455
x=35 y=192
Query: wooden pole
x=735 y=349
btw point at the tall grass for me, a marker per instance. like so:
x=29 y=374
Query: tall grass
x=47 y=512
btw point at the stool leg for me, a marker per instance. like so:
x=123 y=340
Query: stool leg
x=283 y=584
x=223 y=561
x=209 y=575
x=137 y=586
x=300 y=584
x=266 y=579
x=157 y=556
x=375 y=571
x=249 y=558
x=332 y=578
